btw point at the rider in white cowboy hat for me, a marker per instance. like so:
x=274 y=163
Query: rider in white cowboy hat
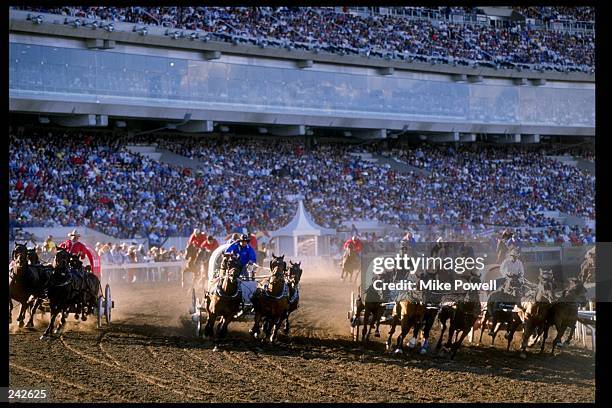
x=512 y=265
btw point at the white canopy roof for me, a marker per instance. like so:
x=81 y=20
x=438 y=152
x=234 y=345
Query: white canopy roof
x=301 y=224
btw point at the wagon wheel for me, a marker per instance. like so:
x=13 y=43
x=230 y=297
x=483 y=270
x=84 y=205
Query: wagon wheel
x=194 y=302
x=100 y=310
x=108 y=303
x=353 y=314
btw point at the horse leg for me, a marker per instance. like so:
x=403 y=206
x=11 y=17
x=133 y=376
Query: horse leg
x=483 y=324
x=572 y=328
x=10 y=300
x=557 y=341
x=365 y=332
x=22 y=312
x=60 y=329
x=37 y=303
x=457 y=343
x=527 y=331
x=286 y=328
x=394 y=322
x=442 y=330
x=399 y=345
x=223 y=326
x=48 y=331
x=379 y=313
x=544 y=337
x=511 y=329
x=254 y=331
x=210 y=323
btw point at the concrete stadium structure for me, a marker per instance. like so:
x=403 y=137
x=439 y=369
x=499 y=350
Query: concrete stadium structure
x=81 y=76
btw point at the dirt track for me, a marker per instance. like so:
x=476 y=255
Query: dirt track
x=149 y=354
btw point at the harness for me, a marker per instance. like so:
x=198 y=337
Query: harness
x=284 y=293
x=219 y=291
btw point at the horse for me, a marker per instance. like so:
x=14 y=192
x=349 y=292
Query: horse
x=350 y=263
x=500 y=311
x=373 y=310
x=463 y=314
x=27 y=286
x=271 y=302
x=70 y=289
x=293 y=281
x=432 y=302
x=534 y=312
x=224 y=298
x=197 y=259
x=564 y=311
x=408 y=312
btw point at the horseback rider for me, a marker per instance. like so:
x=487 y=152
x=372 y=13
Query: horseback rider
x=197 y=238
x=74 y=247
x=245 y=252
x=210 y=244
x=504 y=243
x=512 y=270
x=355 y=243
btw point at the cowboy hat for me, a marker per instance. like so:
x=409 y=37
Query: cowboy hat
x=74 y=233
x=514 y=251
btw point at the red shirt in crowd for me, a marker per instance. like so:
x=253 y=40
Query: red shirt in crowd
x=357 y=245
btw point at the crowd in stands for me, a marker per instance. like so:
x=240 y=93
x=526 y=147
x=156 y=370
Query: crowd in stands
x=71 y=178
x=558 y=13
x=391 y=36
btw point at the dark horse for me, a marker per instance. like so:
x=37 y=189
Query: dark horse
x=271 y=302
x=197 y=260
x=224 y=298
x=564 y=311
x=463 y=314
x=70 y=289
x=28 y=283
x=293 y=281
x=501 y=311
x=373 y=309
x=350 y=263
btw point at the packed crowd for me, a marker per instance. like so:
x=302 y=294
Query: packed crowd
x=559 y=13
x=391 y=36
x=69 y=178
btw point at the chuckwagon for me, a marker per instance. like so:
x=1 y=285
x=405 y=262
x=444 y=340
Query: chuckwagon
x=247 y=286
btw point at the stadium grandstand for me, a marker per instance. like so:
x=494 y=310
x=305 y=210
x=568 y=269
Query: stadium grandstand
x=147 y=122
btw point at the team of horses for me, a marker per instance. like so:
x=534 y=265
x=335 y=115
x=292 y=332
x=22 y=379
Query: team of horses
x=462 y=313
x=67 y=285
x=273 y=300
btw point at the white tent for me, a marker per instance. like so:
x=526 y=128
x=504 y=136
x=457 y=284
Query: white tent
x=302 y=236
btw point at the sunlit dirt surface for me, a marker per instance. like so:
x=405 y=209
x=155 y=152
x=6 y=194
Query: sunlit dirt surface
x=150 y=354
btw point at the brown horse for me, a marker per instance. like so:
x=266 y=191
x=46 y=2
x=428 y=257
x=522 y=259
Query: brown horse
x=534 y=313
x=271 y=302
x=224 y=298
x=408 y=313
x=350 y=264
x=197 y=262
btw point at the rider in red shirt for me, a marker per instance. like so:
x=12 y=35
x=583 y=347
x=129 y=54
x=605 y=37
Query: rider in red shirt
x=73 y=246
x=356 y=242
x=210 y=244
x=197 y=238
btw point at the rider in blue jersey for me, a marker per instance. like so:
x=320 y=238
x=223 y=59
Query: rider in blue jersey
x=244 y=251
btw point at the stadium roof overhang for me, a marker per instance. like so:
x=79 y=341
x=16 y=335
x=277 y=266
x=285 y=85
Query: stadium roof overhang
x=108 y=107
